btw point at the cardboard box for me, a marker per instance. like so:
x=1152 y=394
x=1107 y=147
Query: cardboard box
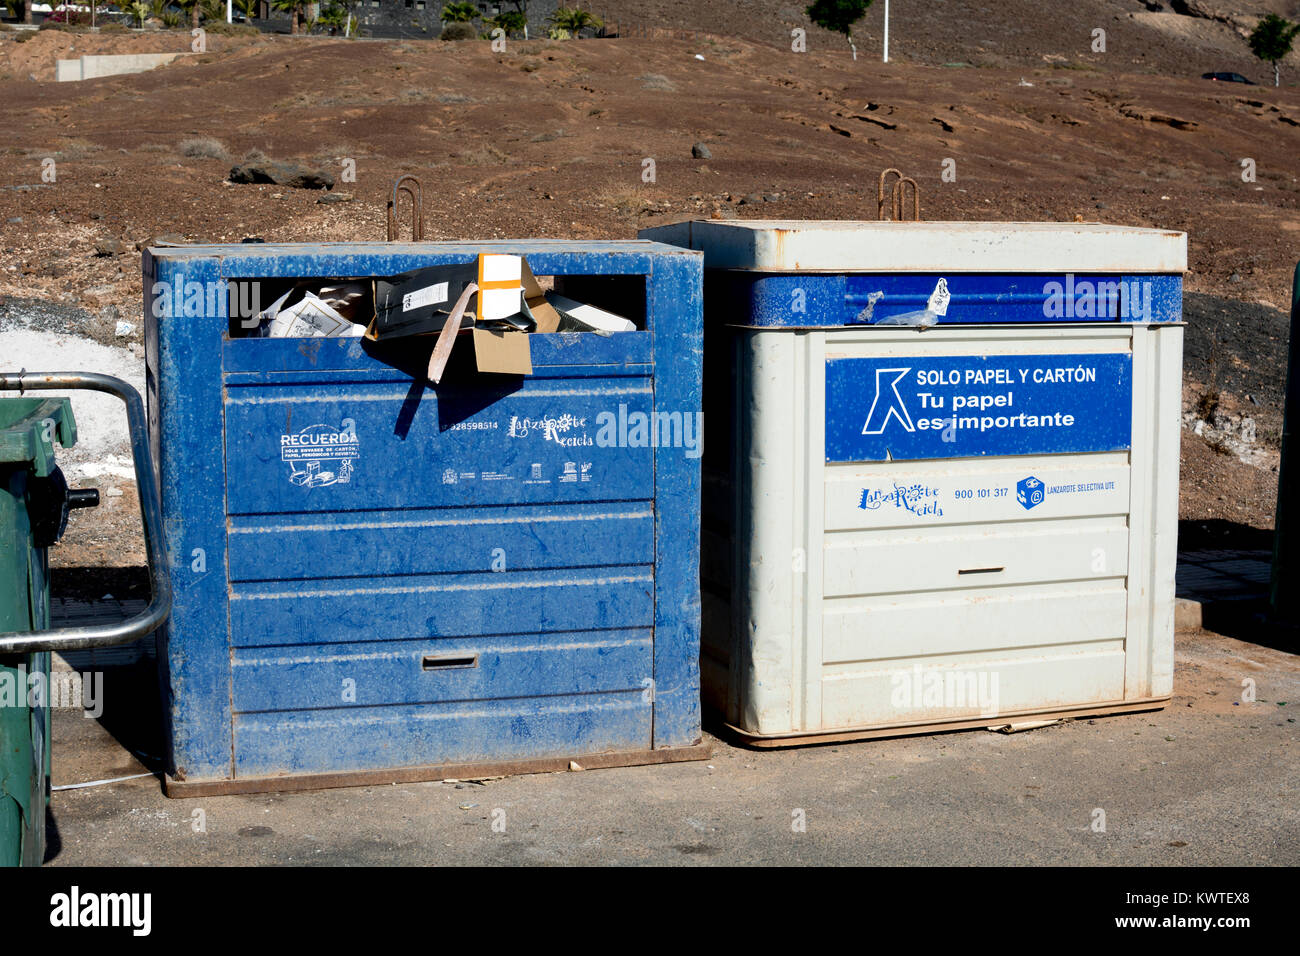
x=508 y=305
x=508 y=290
x=418 y=302
x=502 y=352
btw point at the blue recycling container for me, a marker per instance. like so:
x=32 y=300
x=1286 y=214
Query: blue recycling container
x=379 y=579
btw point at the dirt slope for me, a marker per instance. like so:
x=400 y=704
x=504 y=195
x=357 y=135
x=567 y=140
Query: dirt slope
x=1171 y=37
x=550 y=140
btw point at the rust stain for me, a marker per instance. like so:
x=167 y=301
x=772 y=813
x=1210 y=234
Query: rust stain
x=778 y=237
x=310 y=349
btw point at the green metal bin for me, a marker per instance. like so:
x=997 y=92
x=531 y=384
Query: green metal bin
x=30 y=488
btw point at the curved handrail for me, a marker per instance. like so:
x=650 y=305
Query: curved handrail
x=133 y=628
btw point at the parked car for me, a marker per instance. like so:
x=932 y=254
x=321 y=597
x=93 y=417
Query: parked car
x=1225 y=77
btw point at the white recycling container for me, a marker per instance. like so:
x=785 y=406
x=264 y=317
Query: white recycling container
x=940 y=472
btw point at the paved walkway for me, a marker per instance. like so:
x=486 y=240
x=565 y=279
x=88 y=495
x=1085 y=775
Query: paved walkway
x=1209 y=780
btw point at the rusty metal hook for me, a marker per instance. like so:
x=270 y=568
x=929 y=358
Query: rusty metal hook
x=897 y=196
x=411 y=186
x=880 y=191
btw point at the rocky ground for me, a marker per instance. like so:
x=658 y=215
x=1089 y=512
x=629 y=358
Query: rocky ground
x=1168 y=37
x=550 y=139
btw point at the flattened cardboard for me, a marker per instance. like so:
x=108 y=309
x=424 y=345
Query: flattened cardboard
x=512 y=290
x=588 y=316
x=547 y=319
x=447 y=337
x=418 y=302
x=506 y=353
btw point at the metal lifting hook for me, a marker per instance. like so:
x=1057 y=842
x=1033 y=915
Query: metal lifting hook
x=897 y=193
x=411 y=186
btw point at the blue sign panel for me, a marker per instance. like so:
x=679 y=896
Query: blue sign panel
x=816 y=300
x=958 y=406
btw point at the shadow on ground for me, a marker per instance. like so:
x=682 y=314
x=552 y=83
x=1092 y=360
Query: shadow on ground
x=91 y=583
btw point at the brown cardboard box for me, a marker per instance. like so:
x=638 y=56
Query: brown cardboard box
x=505 y=353
x=411 y=309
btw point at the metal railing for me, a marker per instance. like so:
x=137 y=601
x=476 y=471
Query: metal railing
x=148 y=620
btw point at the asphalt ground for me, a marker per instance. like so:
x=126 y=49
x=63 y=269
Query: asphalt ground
x=1210 y=780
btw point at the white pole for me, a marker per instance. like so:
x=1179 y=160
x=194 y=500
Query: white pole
x=886 y=31
x=230 y=14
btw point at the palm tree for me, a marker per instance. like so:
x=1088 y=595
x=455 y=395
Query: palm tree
x=139 y=12
x=248 y=8
x=511 y=21
x=574 y=19
x=292 y=7
x=347 y=18
x=333 y=16
x=521 y=6
x=192 y=6
x=459 y=13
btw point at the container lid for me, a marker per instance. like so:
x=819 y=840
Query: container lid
x=791 y=245
x=26 y=435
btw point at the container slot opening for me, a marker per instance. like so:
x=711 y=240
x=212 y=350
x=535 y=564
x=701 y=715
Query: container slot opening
x=249 y=300
x=349 y=304
x=980 y=570
x=432 y=662
x=623 y=295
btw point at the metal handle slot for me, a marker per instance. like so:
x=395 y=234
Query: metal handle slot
x=433 y=662
x=980 y=570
